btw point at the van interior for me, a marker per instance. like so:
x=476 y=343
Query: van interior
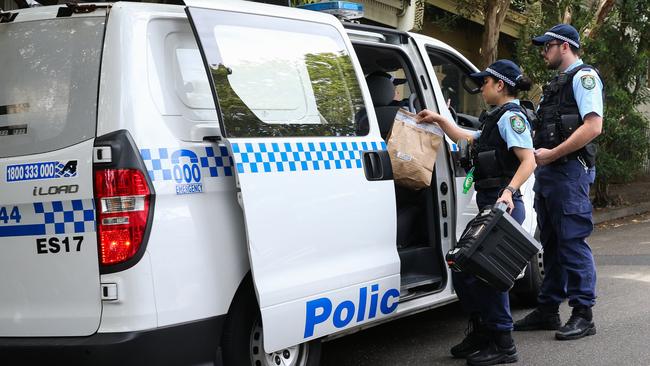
x=418 y=241
x=461 y=93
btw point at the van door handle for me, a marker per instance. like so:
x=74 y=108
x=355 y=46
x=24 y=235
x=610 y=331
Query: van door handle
x=376 y=165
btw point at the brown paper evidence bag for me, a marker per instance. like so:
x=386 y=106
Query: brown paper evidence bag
x=413 y=148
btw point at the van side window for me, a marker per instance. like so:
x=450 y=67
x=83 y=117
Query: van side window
x=449 y=72
x=279 y=77
x=191 y=84
x=178 y=83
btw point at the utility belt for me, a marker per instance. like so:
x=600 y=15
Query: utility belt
x=489 y=171
x=550 y=135
x=587 y=160
x=492 y=183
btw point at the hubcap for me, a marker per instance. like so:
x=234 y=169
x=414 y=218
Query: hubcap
x=292 y=356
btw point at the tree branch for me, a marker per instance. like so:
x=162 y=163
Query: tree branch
x=604 y=8
x=495 y=12
x=568 y=15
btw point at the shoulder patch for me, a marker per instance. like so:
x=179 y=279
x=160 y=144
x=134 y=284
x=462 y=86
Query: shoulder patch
x=588 y=82
x=518 y=124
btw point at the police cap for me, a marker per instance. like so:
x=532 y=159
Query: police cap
x=562 y=32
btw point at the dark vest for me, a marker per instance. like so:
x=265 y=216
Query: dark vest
x=494 y=164
x=559 y=117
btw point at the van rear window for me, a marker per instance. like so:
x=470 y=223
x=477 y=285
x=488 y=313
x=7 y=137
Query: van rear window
x=49 y=74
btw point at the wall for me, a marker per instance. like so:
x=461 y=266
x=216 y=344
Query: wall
x=465 y=35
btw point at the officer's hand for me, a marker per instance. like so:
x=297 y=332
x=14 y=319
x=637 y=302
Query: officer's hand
x=506 y=197
x=544 y=156
x=427 y=116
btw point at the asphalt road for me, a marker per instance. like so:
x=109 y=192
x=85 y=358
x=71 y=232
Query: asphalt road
x=622 y=316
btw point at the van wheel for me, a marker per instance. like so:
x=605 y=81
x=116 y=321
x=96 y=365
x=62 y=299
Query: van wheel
x=243 y=340
x=527 y=288
x=304 y=354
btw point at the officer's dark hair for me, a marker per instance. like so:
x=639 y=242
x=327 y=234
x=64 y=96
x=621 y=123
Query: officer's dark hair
x=522 y=84
x=575 y=50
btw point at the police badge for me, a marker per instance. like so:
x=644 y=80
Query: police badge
x=588 y=82
x=517 y=123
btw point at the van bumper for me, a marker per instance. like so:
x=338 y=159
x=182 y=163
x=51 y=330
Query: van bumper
x=194 y=343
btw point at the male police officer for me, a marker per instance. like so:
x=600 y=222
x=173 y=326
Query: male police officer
x=570 y=117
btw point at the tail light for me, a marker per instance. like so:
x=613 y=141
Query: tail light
x=123 y=201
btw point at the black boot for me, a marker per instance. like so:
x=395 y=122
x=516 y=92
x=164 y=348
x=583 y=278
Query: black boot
x=580 y=325
x=501 y=349
x=476 y=337
x=545 y=317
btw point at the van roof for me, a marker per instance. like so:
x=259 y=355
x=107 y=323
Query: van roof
x=444 y=46
x=402 y=35
x=376 y=29
x=261 y=8
x=50 y=12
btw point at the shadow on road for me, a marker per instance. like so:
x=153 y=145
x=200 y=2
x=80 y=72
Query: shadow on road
x=421 y=339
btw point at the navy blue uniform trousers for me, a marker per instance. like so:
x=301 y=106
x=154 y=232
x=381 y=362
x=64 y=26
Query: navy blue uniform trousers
x=564 y=218
x=475 y=295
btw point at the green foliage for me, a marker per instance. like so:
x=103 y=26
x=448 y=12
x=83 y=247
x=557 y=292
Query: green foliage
x=467 y=8
x=444 y=20
x=518 y=5
x=337 y=92
x=620 y=49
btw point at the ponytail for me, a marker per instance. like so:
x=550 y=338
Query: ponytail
x=523 y=83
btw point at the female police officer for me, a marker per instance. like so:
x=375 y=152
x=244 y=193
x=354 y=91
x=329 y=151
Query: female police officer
x=503 y=160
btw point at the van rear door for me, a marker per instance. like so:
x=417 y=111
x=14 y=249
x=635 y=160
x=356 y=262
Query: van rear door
x=49 y=274
x=317 y=195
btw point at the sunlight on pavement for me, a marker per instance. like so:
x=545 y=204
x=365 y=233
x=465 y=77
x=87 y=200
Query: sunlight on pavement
x=634 y=276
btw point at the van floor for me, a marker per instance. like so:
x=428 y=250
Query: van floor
x=420 y=267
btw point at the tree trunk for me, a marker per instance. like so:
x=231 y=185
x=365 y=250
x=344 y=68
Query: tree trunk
x=495 y=14
x=604 y=8
x=640 y=82
x=568 y=15
x=601 y=196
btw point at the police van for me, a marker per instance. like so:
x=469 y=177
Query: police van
x=210 y=184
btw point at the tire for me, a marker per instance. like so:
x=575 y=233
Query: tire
x=527 y=288
x=242 y=341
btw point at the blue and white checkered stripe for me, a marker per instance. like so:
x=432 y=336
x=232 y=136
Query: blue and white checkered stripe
x=218 y=163
x=157 y=163
x=213 y=162
x=300 y=156
x=65 y=217
x=49 y=218
x=61 y=173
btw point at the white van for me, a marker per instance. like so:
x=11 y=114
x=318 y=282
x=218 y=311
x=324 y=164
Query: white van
x=210 y=183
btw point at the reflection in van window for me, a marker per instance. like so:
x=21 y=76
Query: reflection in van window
x=192 y=86
x=48 y=84
x=273 y=79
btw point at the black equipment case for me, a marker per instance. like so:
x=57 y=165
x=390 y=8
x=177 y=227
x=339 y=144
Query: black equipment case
x=494 y=248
